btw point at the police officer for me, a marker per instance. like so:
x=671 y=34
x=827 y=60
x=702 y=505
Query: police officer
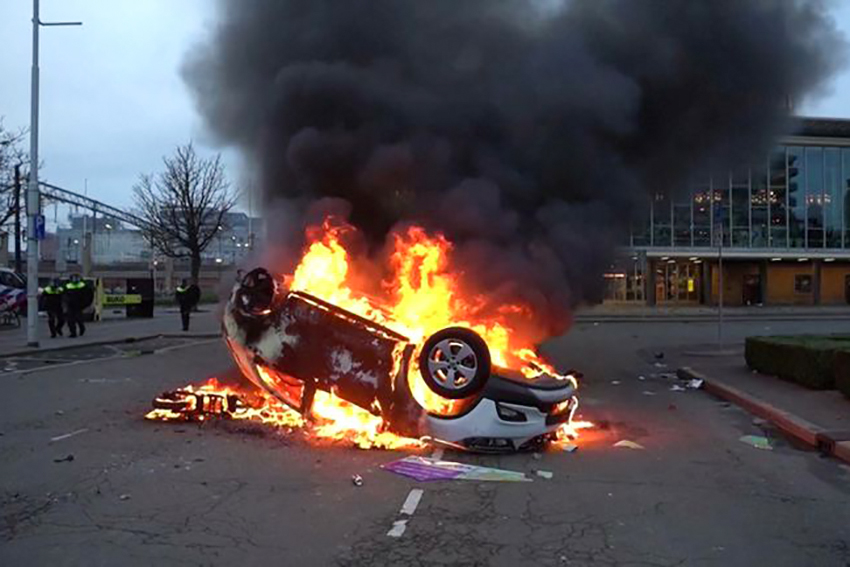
x=187 y=297
x=53 y=297
x=77 y=298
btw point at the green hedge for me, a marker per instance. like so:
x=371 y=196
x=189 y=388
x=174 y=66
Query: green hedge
x=842 y=371
x=808 y=360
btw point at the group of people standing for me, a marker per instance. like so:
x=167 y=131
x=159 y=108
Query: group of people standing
x=65 y=303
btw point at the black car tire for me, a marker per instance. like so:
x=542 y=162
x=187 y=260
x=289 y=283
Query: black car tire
x=455 y=363
x=257 y=291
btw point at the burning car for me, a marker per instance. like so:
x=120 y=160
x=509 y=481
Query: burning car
x=295 y=345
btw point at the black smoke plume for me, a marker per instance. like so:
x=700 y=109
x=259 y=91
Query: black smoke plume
x=528 y=132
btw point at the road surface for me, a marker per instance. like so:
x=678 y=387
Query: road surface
x=141 y=493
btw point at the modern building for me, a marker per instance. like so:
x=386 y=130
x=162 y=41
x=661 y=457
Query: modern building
x=114 y=243
x=780 y=228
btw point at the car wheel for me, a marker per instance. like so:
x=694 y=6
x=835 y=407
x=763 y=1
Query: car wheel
x=455 y=363
x=256 y=293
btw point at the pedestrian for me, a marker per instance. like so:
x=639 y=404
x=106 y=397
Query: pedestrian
x=77 y=297
x=53 y=297
x=187 y=298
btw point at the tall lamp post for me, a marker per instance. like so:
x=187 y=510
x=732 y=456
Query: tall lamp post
x=35 y=222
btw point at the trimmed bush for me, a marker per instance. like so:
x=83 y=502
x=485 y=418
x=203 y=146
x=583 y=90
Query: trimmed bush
x=842 y=372
x=808 y=360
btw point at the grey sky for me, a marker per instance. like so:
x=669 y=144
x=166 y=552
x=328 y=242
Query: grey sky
x=112 y=100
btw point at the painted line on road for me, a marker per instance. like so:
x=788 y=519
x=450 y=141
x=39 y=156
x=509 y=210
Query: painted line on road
x=67 y=435
x=407 y=509
x=412 y=501
x=399 y=526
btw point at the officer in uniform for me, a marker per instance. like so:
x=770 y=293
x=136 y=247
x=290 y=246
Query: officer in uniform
x=187 y=297
x=53 y=297
x=77 y=297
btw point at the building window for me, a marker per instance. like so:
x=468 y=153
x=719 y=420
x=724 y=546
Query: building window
x=803 y=283
x=796 y=197
x=832 y=198
x=814 y=197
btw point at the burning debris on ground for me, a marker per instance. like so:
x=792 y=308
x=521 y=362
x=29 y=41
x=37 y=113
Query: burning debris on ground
x=413 y=360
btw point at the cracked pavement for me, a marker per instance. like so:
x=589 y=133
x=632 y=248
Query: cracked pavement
x=138 y=493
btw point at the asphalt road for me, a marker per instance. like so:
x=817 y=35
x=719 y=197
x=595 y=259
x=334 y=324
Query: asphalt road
x=140 y=493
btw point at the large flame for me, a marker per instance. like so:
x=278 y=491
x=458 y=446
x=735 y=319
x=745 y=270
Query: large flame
x=418 y=294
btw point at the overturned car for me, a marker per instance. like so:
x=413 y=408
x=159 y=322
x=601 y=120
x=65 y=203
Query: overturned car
x=292 y=344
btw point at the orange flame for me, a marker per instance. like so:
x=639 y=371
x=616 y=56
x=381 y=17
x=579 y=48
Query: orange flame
x=333 y=419
x=417 y=296
x=420 y=296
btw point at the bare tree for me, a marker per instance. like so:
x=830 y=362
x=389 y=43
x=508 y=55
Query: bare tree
x=13 y=161
x=184 y=205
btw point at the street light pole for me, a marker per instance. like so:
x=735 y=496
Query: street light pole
x=33 y=196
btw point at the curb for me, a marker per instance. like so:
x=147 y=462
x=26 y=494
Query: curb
x=797 y=427
x=32 y=351
x=702 y=318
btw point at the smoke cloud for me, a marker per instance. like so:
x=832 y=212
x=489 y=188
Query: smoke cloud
x=528 y=132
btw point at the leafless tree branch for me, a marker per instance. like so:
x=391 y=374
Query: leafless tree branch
x=185 y=204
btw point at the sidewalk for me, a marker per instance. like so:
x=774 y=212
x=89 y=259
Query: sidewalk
x=14 y=341
x=624 y=312
x=820 y=419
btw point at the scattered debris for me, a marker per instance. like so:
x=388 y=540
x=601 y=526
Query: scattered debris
x=596 y=323
x=672 y=407
x=659 y=355
x=758 y=422
x=357 y=480
x=648 y=393
x=626 y=444
x=660 y=365
x=695 y=384
x=641 y=378
x=67 y=458
x=676 y=388
x=59 y=412
x=426 y=469
x=615 y=382
x=537 y=456
x=67 y=435
x=757 y=441
x=544 y=474
x=124 y=497
x=569 y=447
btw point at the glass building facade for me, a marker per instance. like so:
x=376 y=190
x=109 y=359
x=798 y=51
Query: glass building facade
x=781 y=225
x=799 y=198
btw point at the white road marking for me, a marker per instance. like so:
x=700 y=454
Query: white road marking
x=398 y=528
x=61 y=437
x=409 y=506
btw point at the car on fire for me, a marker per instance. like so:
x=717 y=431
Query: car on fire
x=291 y=344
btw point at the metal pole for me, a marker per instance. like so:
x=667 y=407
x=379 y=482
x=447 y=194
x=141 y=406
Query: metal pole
x=18 y=261
x=720 y=294
x=33 y=197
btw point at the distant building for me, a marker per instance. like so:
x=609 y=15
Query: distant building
x=783 y=226
x=114 y=243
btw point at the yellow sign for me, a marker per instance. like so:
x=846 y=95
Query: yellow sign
x=113 y=299
x=691 y=285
